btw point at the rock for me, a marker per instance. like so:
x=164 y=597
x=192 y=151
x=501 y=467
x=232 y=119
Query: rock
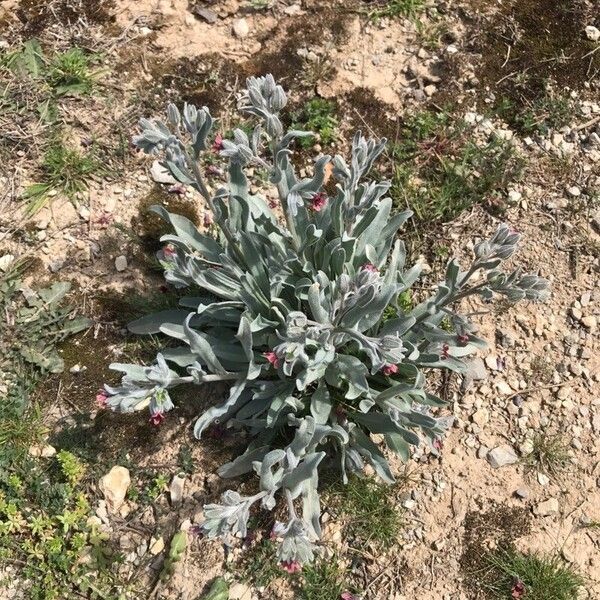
x=6 y=261
x=176 y=489
x=114 y=486
x=439 y=545
x=543 y=479
x=590 y=322
x=546 y=508
x=42 y=451
x=205 y=14
x=240 y=28
x=430 y=90
x=474 y=371
x=157 y=546
x=121 y=263
x=522 y=493
x=514 y=196
x=161 y=174
x=240 y=591
x=84 y=213
x=592 y=33
x=481 y=417
x=504 y=388
x=491 y=362
x=502 y=456
x=573 y=191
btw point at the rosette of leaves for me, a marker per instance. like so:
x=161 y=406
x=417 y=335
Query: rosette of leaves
x=290 y=312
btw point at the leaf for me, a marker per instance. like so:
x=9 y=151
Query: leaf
x=151 y=324
x=54 y=294
x=305 y=470
x=398 y=444
x=76 y=325
x=202 y=348
x=320 y=404
x=219 y=590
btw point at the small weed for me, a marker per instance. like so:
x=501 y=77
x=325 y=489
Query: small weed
x=259 y=564
x=322 y=580
x=533 y=577
x=69 y=72
x=549 y=111
x=369 y=510
x=409 y=9
x=64 y=170
x=440 y=172
x=541 y=369
x=185 y=460
x=318 y=116
x=31 y=325
x=550 y=454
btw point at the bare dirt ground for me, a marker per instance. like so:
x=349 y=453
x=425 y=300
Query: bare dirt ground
x=493 y=66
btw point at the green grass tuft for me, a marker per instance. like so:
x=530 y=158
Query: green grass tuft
x=369 y=511
x=70 y=72
x=64 y=170
x=441 y=172
x=550 y=454
x=409 y=9
x=319 y=116
x=322 y=580
x=540 y=577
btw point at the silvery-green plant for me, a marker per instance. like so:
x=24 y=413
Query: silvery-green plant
x=290 y=311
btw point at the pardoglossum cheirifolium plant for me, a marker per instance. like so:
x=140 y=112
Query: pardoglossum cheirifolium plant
x=290 y=313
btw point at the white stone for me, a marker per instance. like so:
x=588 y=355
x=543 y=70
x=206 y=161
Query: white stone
x=503 y=388
x=240 y=27
x=592 y=33
x=240 y=591
x=42 y=451
x=514 y=196
x=502 y=456
x=543 y=479
x=590 y=322
x=157 y=546
x=114 y=486
x=548 y=507
x=6 y=261
x=176 y=489
x=573 y=191
x=121 y=263
x=481 y=417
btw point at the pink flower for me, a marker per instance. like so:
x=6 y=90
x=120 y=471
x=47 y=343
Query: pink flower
x=218 y=143
x=463 y=338
x=438 y=444
x=341 y=414
x=169 y=251
x=347 y=596
x=272 y=358
x=518 y=589
x=290 y=566
x=319 y=201
x=445 y=352
x=370 y=267
x=178 y=189
x=156 y=418
x=273 y=203
x=102 y=399
x=208 y=220
x=214 y=171
x=389 y=369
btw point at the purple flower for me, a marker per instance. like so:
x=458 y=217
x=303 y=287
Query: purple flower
x=156 y=418
x=389 y=369
x=319 y=202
